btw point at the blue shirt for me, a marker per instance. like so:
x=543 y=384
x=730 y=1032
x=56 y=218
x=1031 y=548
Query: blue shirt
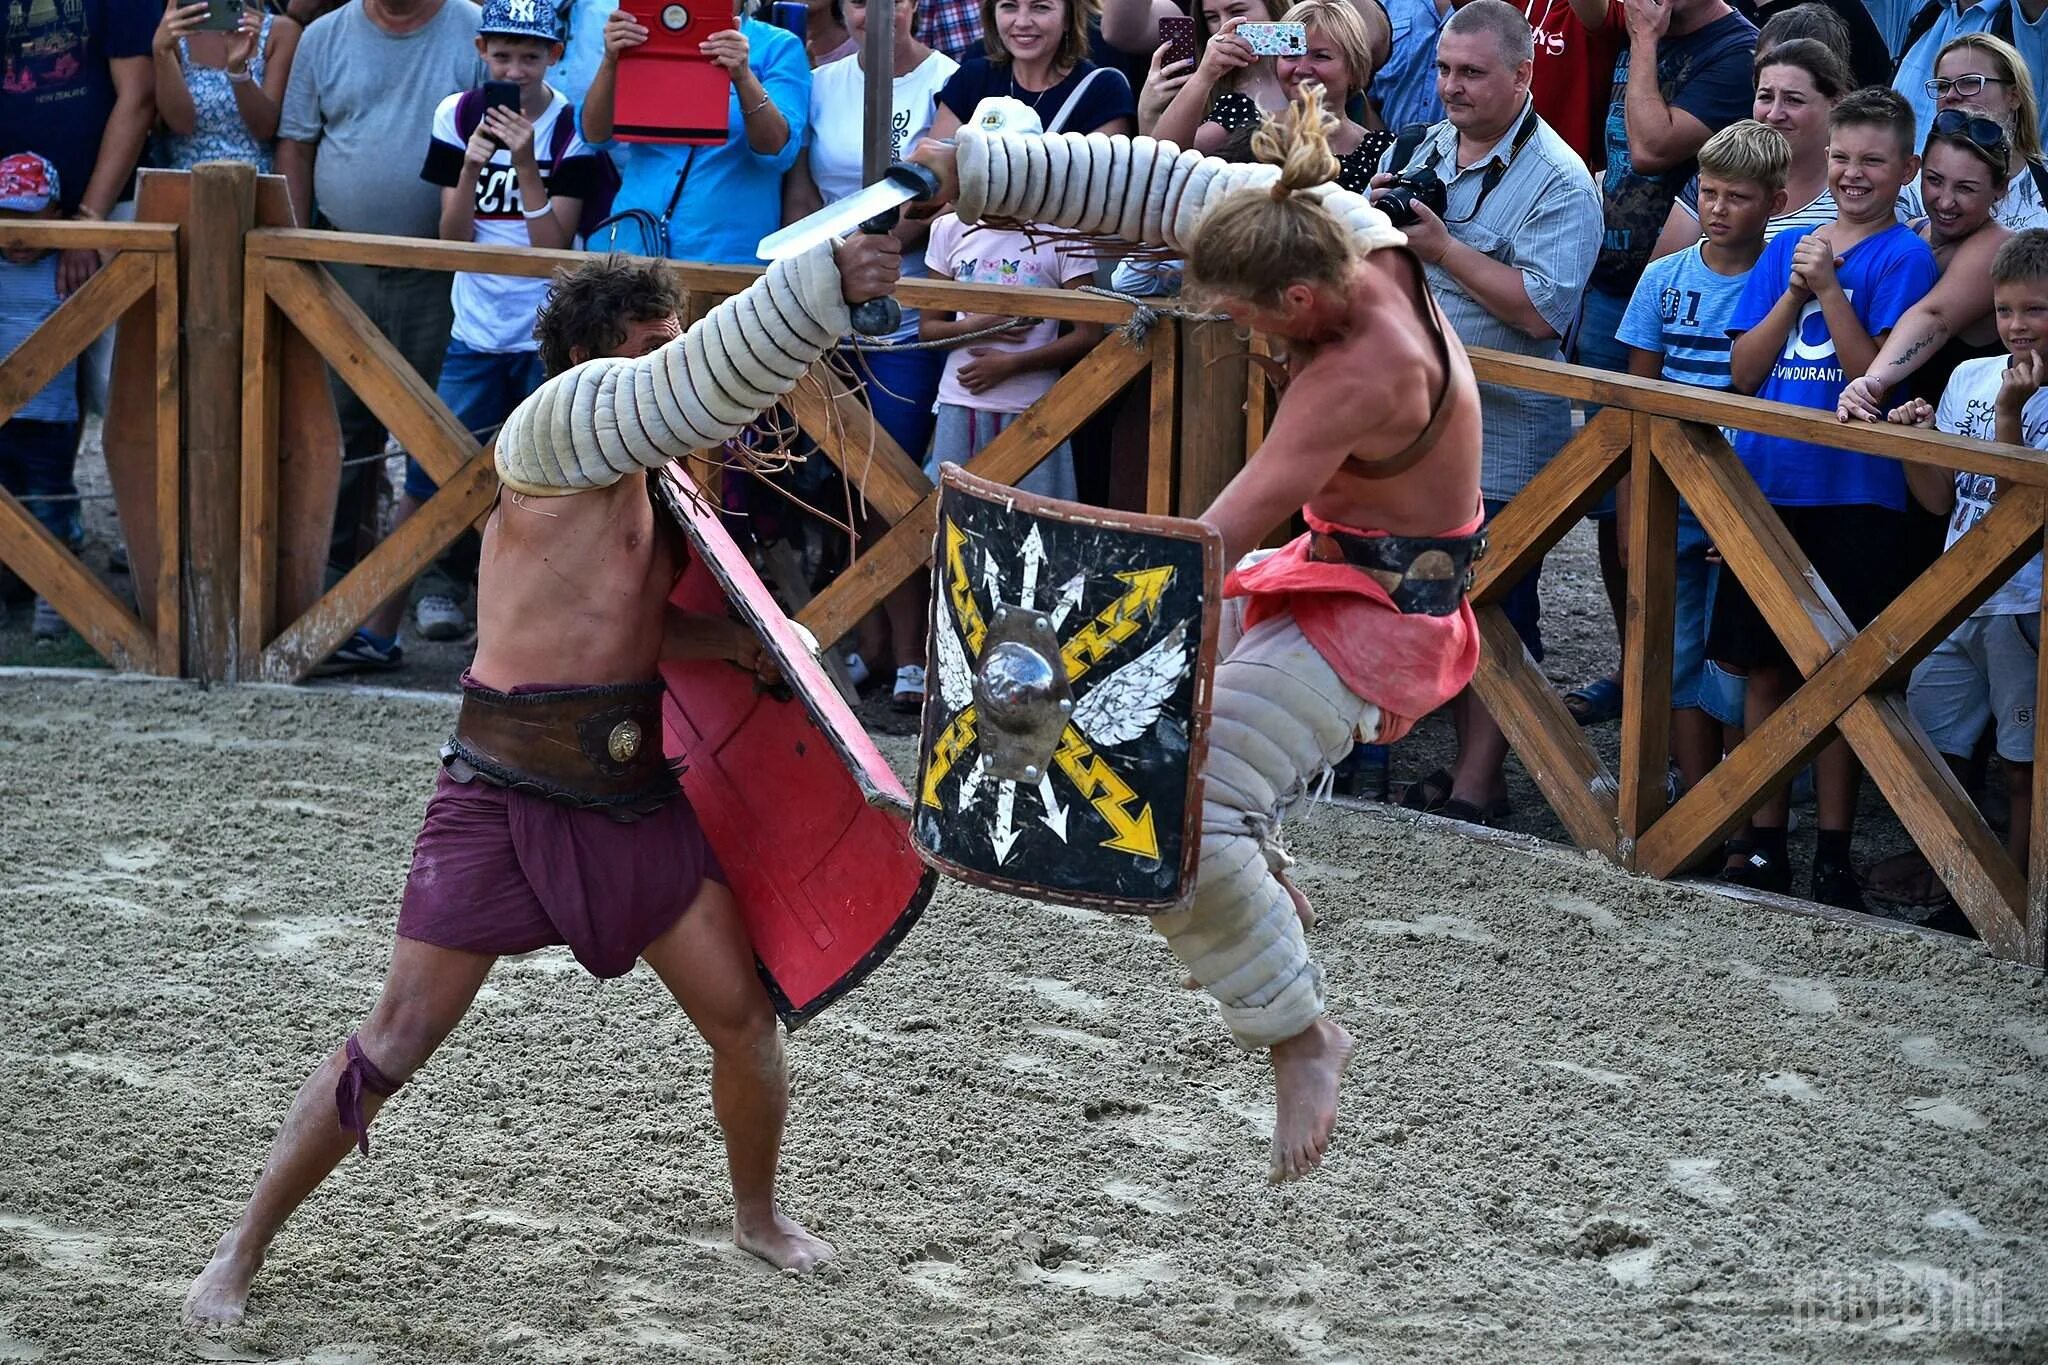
x=731 y=195
x=1883 y=276
x=28 y=295
x=1894 y=17
x=1405 y=87
x=59 y=88
x=1680 y=311
x=583 y=49
x=1705 y=74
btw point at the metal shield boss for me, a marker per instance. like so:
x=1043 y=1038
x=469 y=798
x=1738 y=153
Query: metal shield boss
x=1066 y=698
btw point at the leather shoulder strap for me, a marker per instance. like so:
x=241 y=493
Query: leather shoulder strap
x=1440 y=409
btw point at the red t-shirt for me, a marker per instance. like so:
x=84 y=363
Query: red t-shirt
x=1574 y=77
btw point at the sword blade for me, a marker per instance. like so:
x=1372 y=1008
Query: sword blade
x=835 y=219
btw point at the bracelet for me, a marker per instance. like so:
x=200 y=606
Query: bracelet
x=239 y=78
x=765 y=102
x=543 y=211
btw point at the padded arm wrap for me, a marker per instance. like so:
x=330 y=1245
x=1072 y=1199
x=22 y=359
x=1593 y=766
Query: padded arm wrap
x=591 y=426
x=1143 y=191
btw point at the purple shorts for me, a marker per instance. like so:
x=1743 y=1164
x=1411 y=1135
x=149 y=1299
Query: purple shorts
x=504 y=872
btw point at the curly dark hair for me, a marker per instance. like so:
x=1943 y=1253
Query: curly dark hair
x=588 y=307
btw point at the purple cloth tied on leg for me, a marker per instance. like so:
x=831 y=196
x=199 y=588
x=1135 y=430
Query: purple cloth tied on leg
x=357 y=1075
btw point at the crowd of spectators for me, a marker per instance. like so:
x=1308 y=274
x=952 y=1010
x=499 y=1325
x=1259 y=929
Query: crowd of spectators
x=1834 y=203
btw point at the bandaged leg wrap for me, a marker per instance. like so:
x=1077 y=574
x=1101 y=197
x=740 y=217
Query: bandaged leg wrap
x=1280 y=717
x=591 y=426
x=358 y=1074
x=1140 y=190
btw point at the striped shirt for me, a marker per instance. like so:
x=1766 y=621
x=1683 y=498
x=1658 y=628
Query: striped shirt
x=1680 y=312
x=1541 y=214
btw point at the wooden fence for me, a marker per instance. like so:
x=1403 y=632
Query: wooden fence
x=263 y=290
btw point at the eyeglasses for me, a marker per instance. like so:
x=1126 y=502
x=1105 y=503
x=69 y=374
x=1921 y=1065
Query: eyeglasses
x=1941 y=87
x=1984 y=135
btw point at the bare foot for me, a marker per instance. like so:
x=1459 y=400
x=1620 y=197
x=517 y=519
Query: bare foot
x=1303 y=911
x=218 y=1297
x=782 y=1242
x=1306 y=1070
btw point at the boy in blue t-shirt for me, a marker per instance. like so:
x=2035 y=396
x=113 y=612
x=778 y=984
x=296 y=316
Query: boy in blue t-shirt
x=1676 y=328
x=39 y=444
x=1816 y=311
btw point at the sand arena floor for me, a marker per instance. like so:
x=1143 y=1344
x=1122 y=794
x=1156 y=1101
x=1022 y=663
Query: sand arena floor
x=1592 y=1118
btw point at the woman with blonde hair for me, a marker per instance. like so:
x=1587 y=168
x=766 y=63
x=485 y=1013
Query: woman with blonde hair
x=1339 y=57
x=1353 y=631
x=1983 y=72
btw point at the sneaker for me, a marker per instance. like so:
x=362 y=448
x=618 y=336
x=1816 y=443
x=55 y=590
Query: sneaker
x=117 y=557
x=856 y=669
x=908 y=694
x=363 y=654
x=1759 y=872
x=440 y=617
x=1834 y=884
x=47 y=625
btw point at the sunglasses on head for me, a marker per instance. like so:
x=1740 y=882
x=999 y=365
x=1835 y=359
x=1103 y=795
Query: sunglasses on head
x=1984 y=136
x=1966 y=86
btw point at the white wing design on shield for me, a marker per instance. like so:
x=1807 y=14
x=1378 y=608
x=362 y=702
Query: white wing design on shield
x=956 y=680
x=1126 y=703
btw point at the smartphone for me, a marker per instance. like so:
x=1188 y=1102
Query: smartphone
x=501 y=95
x=668 y=90
x=222 y=16
x=1275 y=40
x=1177 y=31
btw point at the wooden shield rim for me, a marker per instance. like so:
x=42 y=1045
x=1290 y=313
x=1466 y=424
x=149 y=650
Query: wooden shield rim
x=806 y=677
x=952 y=476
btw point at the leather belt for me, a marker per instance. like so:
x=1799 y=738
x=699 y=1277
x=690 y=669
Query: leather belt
x=1425 y=575
x=583 y=746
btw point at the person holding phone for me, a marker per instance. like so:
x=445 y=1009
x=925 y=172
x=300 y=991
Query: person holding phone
x=716 y=203
x=221 y=72
x=1228 y=87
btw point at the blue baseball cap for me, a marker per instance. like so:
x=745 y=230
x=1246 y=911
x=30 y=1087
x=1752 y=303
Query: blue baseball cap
x=521 y=19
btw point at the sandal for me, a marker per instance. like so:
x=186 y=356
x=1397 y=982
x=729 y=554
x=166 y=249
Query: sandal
x=1905 y=879
x=1494 y=814
x=1594 y=703
x=1428 y=795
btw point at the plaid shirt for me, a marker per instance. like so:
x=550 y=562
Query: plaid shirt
x=951 y=26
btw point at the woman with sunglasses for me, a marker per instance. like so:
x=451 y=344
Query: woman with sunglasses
x=1984 y=73
x=1963 y=179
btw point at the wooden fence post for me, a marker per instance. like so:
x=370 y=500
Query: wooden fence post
x=1213 y=376
x=223 y=211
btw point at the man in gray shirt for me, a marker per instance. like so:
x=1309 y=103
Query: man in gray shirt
x=357 y=116
x=1507 y=261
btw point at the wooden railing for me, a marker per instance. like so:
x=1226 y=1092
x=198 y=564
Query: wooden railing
x=260 y=312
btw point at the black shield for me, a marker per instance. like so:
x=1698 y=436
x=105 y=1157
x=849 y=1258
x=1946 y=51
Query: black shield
x=1066 y=698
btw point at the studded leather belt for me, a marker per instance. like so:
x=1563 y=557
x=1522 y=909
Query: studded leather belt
x=1425 y=575
x=584 y=746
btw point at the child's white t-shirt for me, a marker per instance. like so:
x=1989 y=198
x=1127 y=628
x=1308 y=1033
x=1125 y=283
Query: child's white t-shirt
x=496 y=312
x=989 y=256
x=1969 y=407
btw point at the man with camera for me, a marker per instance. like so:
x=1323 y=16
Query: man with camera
x=1506 y=221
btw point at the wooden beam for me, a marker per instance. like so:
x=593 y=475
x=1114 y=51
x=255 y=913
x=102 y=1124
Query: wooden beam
x=907 y=546
x=223 y=209
x=262 y=390
x=1716 y=408
x=356 y=248
x=866 y=455
x=1755 y=545
x=166 y=547
x=1545 y=511
x=1162 y=418
x=1544 y=736
x=2037 y=842
x=76 y=324
x=372 y=367
x=43 y=562
x=395 y=562
x=52 y=234
x=1652 y=529
x=1214 y=377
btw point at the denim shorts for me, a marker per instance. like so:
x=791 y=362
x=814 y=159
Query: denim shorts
x=481 y=388
x=1981 y=675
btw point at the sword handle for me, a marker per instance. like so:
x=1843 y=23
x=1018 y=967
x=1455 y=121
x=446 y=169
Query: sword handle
x=878 y=317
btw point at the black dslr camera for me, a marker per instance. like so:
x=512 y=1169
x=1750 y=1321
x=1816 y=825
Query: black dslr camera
x=1399 y=199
